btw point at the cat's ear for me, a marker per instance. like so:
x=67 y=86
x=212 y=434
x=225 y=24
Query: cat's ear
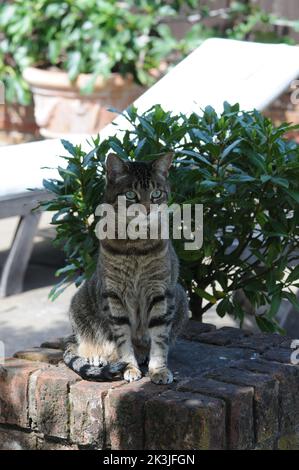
x=115 y=166
x=162 y=164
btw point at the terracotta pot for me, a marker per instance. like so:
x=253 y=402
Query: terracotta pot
x=15 y=117
x=61 y=109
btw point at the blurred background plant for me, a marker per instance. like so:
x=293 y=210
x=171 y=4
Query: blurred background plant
x=101 y=36
x=85 y=36
x=243 y=171
x=245 y=20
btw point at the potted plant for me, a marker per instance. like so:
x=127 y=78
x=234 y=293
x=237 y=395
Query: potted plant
x=243 y=171
x=80 y=58
x=17 y=120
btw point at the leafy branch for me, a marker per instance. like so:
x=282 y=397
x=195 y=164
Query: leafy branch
x=243 y=171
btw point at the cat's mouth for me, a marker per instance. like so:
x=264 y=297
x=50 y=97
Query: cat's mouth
x=145 y=226
x=133 y=223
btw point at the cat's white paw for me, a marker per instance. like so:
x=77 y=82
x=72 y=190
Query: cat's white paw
x=132 y=373
x=161 y=376
x=97 y=361
x=94 y=360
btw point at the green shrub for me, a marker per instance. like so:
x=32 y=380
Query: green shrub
x=243 y=171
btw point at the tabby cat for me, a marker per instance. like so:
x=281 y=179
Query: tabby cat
x=132 y=308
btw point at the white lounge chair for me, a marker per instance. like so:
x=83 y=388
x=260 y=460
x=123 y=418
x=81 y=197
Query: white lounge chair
x=219 y=70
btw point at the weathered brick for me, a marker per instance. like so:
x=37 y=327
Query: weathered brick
x=56 y=343
x=256 y=384
x=270 y=444
x=190 y=359
x=12 y=439
x=224 y=336
x=46 y=444
x=289 y=441
x=184 y=420
x=239 y=408
x=194 y=329
x=125 y=413
x=288 y=397
x=278 y=355
x=48 y=400
x=14 y=379
x=87 y=423
x=286 y=342
x=51 y=356
x=260 y=342
x=265 y=398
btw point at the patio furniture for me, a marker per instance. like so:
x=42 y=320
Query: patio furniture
x=20 y=205
x=219 y=70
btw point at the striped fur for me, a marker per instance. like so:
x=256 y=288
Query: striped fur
x=133 y=307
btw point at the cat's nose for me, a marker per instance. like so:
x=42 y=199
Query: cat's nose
x=147 y=208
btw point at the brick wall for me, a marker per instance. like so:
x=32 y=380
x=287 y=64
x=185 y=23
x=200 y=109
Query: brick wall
x=233 y=390
x=283 y=110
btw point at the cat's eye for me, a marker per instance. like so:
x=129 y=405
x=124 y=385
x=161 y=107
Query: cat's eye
x=156 y=194
x=131 y=195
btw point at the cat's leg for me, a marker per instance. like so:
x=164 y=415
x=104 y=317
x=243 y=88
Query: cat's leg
x=160 y=320
x=89 y=337
x=121 y=330
x=181 y=313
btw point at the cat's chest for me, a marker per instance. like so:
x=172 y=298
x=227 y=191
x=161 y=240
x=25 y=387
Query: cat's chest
x=136 y=280
x=140 y=272
x=133 y=276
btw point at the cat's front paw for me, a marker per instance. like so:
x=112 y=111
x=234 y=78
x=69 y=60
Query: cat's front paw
x=161 y=376
x=97 y=361
x=132 y=373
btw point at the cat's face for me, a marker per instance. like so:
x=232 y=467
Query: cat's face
x=139 y=182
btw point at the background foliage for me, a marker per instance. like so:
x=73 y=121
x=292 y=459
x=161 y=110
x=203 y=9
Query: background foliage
x=243 y=171
x=84 y=36
x=244 y=20
x=100 y=36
